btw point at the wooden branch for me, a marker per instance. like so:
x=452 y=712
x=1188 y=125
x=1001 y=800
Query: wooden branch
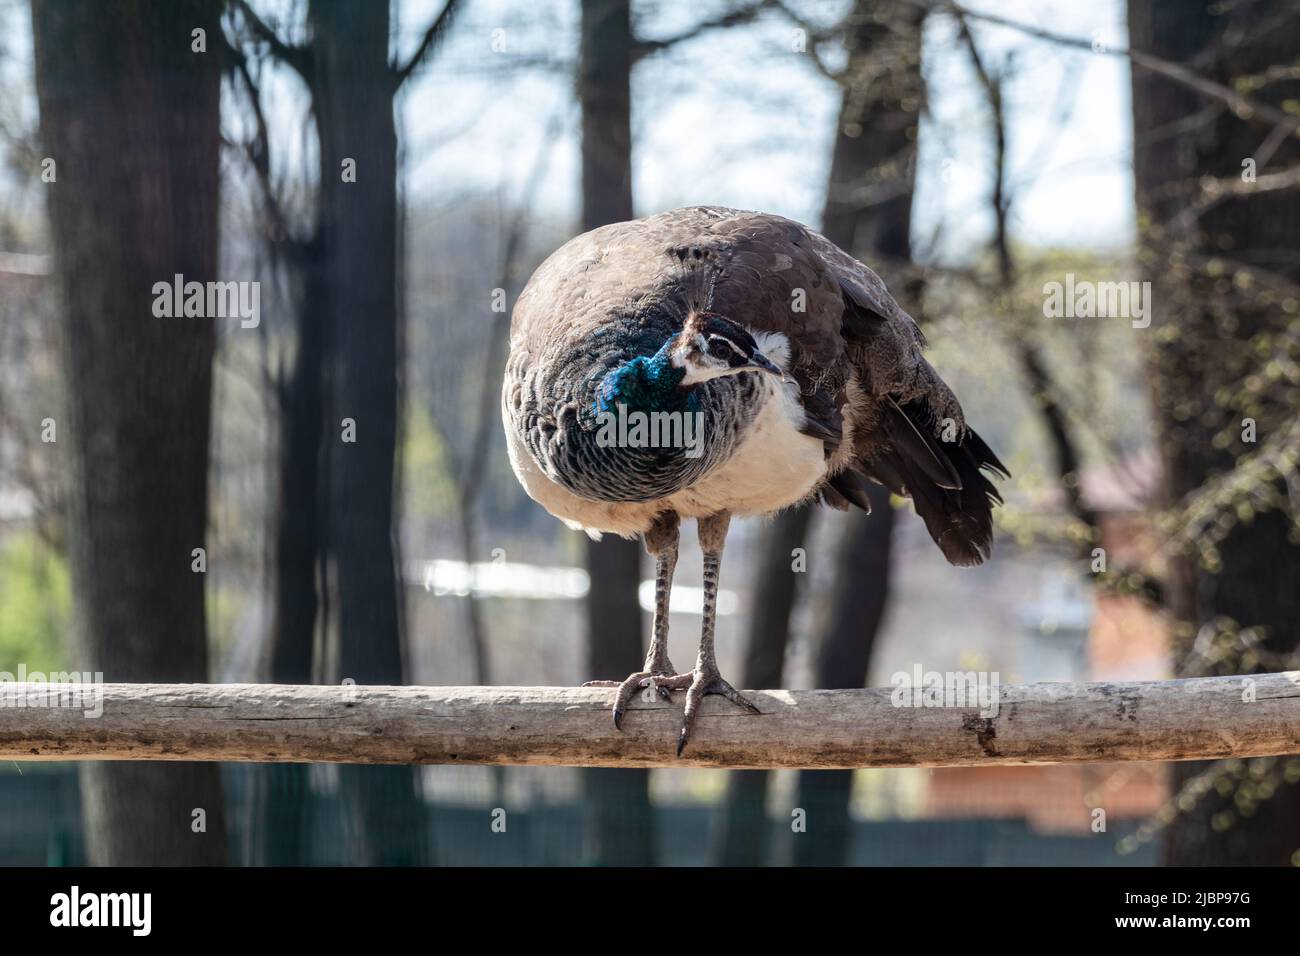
x=1034 y=723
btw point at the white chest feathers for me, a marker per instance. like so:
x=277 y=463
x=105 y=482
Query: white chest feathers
x=775 y=466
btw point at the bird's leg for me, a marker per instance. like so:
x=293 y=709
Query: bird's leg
x=706 y=679
x=662 y=542
x=658 y=671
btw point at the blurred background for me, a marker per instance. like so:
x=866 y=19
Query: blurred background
x=180 y=498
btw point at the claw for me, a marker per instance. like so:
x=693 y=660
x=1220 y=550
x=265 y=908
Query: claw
x=697 y=686
x=664 y=684
x=736 y=697
x=702 y=686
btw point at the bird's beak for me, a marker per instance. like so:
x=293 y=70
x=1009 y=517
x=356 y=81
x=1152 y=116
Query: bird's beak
x=760 y=361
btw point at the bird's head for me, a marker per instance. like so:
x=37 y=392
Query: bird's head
x=710 y=346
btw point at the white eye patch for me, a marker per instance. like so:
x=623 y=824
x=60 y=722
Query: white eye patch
x=721 y=348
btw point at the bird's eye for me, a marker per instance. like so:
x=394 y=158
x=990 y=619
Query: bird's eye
x=720 y=348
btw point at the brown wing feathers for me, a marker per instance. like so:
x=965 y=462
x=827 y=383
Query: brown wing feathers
x=945 y=480
x=957 y=513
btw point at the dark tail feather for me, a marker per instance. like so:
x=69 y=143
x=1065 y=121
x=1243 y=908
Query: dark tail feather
x=832 y=498
x=960 y=520
x=985 y=457
x=912 y=437
x=851 y=489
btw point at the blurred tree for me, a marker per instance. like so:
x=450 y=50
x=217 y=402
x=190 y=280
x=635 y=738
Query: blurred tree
x=1219 y=239
x=130 y=113
x=620 y=827
x=868 y=213
x=1036 y=372
x=1066 y=421
x=275 y=832
x=348 y=360
x=352 y=90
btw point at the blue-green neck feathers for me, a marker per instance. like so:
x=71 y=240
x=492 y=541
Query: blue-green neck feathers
x=645 y=384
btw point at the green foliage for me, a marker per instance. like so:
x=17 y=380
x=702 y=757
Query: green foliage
x=35 y=605
x=429 y=485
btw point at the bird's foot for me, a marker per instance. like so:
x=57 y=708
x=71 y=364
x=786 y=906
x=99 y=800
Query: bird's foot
x=702 y=684
x=662 y=683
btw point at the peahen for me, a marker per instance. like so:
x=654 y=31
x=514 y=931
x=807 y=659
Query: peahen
x=708 y=362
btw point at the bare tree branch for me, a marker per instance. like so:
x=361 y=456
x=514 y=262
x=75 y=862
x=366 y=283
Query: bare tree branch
x=1044 y=390
x=815 y=36
x=1211 y=191
x=732 y=18
x=1246 y=107
x=432 y=37
x=1282 y=179
x=258 y=151
x=294 y=55
x=992 y=85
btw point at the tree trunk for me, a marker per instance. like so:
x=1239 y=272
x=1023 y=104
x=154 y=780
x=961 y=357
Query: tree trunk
x=353 y=89
x=298 y=508
x=1208 y=334
x=874 y=154
x=620 y=826
x=279 y=794
x=131 y=116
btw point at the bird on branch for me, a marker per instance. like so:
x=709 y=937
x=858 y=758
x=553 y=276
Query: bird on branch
x=708 y=362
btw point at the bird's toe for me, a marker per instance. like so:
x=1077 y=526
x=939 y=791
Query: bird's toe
x=702 y=685
x=659 y=684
